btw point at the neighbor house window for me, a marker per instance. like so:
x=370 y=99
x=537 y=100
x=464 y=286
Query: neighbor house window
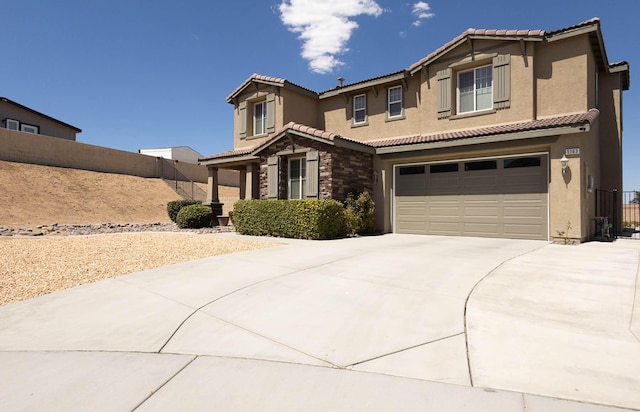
x=29 y=128
x=394 y=105
x=12 y=124
x=260 y=118
x=297 y=178
x=360 y=109
x=475 y=90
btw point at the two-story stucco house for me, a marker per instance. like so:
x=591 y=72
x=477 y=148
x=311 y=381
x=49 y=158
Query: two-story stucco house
x=498 y=133
x=14 y=116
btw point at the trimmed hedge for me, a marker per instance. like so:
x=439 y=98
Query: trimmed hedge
x=299 y=219
x=194 y=217
x=174 y=207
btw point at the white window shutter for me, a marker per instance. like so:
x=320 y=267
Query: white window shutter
x=272 y=177
x=312 y=180
x=444 y=93
x=502 y=81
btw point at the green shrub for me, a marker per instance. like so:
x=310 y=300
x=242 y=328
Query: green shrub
x=359 y=214
x=299 y=219
x=174 y=207
x=194 y=216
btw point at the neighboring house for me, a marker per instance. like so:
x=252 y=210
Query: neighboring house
x=15 y=116
x=467 y=141
x=179 y=153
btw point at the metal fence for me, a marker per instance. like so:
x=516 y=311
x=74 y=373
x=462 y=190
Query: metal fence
x=186 y=187
x=617 y=214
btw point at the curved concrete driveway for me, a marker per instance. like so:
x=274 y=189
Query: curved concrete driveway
x=374 y=323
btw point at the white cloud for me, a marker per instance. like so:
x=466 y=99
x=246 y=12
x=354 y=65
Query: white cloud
x=325 y=27
x=422 y=11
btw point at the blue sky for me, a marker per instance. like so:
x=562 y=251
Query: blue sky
x=153 y=73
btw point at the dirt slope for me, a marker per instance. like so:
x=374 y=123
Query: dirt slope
x=35 y=195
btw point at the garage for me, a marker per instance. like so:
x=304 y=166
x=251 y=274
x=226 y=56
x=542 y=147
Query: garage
x=489 y=197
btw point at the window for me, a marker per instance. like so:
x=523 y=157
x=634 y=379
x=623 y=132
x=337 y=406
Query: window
x=444 y=168
x=12 y=124
x=475 y=90
x=480 y=165
x=260 y=118
x=532 y=161
x=394 y=105
x=29 y=128
x=297 y=178
x=411 y=170
x=360 y=109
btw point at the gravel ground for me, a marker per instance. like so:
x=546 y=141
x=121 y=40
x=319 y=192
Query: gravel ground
x=34 y=266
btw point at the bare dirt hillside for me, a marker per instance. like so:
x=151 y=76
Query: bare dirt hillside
x=39 y=195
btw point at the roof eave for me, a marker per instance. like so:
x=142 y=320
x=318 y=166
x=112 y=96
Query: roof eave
x=529 y=134
x=228 y=161
x=393 y=77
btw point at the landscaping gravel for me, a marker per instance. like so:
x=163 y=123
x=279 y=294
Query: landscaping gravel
x=43 y=259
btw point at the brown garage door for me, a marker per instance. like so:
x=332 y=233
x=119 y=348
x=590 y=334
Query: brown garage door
x=502 y=197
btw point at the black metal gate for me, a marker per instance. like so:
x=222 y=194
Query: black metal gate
x=606 y=220
x=617 y=214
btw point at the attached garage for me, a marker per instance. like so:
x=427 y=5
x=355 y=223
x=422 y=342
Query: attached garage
x=491 y=197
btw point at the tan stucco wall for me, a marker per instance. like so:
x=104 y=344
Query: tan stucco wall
x=563 y=68
x=611 y=143
x=338 y=111
x=47 y=126
x=299 y=108
x=44 y=150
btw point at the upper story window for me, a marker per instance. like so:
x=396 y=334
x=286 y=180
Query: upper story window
x=360 y=109
x=12 y=124
x=394 y=102
x=260 y=118
x=475 y=90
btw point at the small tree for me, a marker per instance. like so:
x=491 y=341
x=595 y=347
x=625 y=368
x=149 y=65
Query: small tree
x=636 y=199
x=359 y=214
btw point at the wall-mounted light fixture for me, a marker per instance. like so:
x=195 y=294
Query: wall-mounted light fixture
x=376 y=176
x=564 y=162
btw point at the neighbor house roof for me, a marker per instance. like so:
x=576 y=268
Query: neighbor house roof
x=4 y=99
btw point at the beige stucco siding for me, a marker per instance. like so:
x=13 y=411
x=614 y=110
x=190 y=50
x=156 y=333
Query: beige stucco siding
x=299 y=108
x=610 y=105
x=562 y=73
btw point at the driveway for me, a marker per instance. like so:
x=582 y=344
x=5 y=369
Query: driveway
x=373 y=323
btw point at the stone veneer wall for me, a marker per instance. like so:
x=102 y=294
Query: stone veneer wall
x=341 y=170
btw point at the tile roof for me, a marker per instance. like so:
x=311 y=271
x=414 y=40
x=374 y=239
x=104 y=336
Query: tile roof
x=477 y=33
x=579 y=119
x=549 y=123
x=594 y=20
x=322 y=134
x=267 y=79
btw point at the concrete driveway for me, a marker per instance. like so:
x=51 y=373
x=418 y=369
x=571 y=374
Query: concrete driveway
x=374 y=323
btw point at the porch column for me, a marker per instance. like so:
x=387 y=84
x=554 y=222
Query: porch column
x=252 y=181
x=212 y=186
x=243 y=184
